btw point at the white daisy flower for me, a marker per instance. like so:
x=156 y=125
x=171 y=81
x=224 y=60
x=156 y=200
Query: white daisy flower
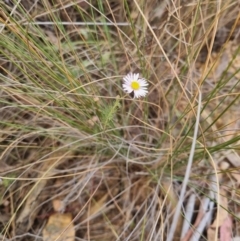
x=132 y=83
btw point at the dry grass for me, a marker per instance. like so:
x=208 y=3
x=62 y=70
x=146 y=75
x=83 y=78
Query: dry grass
x=117 y=164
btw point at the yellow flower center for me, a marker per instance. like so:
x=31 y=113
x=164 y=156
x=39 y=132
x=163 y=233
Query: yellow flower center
x=135 y=85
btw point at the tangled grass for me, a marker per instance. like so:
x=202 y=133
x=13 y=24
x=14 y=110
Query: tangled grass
x=123 y=167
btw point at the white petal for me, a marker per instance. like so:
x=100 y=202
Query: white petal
x=127 y=88
x=143 y=82
x=129 y=78
x=140 y=92
x=135 y=77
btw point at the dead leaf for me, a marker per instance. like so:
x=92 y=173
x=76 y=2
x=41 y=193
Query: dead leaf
x=59 y=228
x=236 y=239
x=58 y=205
x=233 y=158
x=27 y=216
x=222 y=215
x=226 y=230
x=236 y=176
x=211 y=234
x=225 y=166
x=97 y=207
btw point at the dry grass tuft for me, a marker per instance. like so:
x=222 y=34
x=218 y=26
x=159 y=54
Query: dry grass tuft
x=118 y=165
